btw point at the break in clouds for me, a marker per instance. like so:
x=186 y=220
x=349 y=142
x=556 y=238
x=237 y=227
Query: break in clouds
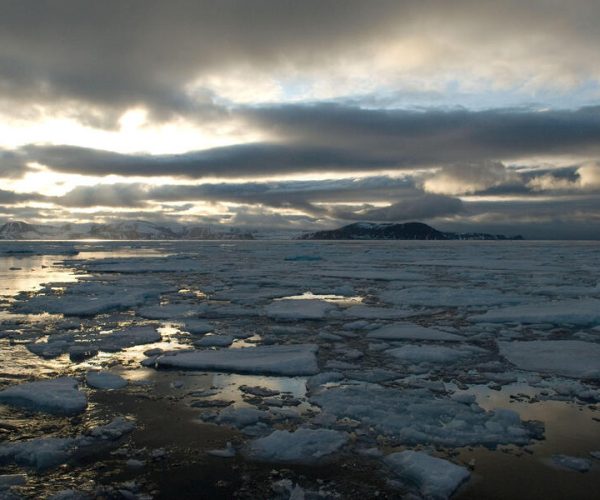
x=470 y=115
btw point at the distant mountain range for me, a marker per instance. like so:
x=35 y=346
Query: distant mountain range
x=126 y=230
x=391 y=231
x=144 y=230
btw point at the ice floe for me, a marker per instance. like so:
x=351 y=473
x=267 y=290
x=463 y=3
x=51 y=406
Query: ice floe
x=418 y=416
x=574 y=463
x=215 y=341
x=434 y=353
x=298 y=309
x=128 y=337
x=434 y=478
x=291 y=360
x=573 y=311
x=44 y=453
x=409 y=331
x=59 y=396
x=105 y=380
x=303 y=446
x=571 y=358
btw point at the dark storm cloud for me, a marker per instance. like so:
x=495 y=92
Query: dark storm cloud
x=301 y=195
x=345 y=139
x=11 y=164
x=422 y=207
x=10 y=197
x=116 y=54
x=103 y=57
x=313 y=198
x=105 y=195
x=437 y=136
x=257 y=159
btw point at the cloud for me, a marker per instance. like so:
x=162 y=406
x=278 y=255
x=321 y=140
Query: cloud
x=435 y=136
x=10 y=197
x=11 y=164
x=423 y=207
x=586 y=178
x=341 y=199
x=470 y=178
x=98 y=59
x=336 y=138
x=104 y=195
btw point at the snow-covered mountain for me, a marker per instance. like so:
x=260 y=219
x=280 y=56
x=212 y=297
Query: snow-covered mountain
x=124 y=230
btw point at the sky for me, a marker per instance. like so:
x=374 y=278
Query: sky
x=279 y=114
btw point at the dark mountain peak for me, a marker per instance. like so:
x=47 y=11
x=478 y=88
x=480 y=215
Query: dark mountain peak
x=17 y=228
x=397 y=231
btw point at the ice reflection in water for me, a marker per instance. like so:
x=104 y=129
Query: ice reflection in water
x=228 y=385
x=29 y=273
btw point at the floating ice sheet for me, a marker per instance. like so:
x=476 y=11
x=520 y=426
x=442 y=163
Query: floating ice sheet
x=576 y=312
x=297 y=309
x=434 y=478
x=410 y=331
x=418 y=416
x=304 y=446
x=59 y=396
x=291 y=360
x=571 y=358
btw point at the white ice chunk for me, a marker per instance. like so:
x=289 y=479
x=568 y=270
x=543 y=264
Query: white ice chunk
x=50 y=349
x=435 y=478
x=59 y=396
x=241 y=417
x=214 y=341
x=198 y=326
x=573 y=463
x=368 y=312
x=433 y=353
x=323 y=378
x=291 y=360
x=418 y=416
x=410 y=331
x=296 y=309
x=227 y=452
x=171 y=311
x=306 y=446
x=447 y=296
x=105 y=380
x=129 y=337
x=570 y=358
x=89 y=299
x=43 y=453
x=576 y=312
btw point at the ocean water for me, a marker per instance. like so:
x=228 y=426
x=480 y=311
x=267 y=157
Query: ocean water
x=483 y=354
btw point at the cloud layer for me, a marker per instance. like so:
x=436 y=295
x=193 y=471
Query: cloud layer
x=464 y=113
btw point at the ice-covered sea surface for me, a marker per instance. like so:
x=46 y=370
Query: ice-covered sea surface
x=299 y=369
